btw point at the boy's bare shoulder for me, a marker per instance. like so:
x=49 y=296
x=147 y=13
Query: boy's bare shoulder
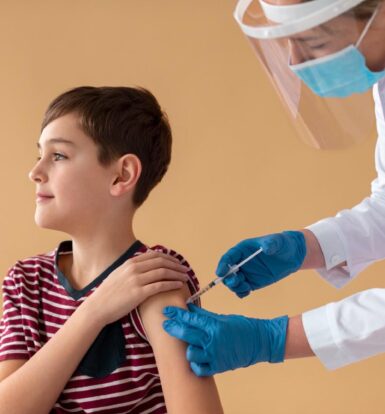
x=193 y=282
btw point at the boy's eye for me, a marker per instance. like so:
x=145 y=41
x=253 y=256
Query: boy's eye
x=57 y=156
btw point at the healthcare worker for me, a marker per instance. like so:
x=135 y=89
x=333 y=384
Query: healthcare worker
x=322 y=55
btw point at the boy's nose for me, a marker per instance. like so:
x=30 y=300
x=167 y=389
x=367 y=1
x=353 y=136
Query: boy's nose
x=36 y=175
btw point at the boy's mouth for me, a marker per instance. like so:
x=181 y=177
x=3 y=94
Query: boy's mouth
x=43 y=197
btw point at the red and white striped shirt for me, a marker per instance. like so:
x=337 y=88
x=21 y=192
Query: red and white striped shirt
x=36 y=303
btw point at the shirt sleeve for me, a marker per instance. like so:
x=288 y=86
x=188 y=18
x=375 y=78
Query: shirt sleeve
x=12 y=337
x=348 y=331
x=357 y=235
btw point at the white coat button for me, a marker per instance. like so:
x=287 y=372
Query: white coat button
x=335 y=260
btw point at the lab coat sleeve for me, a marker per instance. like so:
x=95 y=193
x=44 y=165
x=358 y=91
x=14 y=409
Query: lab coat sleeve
x=357 y=236
x=351 y=330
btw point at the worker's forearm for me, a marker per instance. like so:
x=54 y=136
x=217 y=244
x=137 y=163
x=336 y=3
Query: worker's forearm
x=297 y=345
x=314 y=258
x=42 y=378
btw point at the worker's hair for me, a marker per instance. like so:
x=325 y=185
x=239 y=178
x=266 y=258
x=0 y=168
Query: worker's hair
x=366 y=9
x=121 y=120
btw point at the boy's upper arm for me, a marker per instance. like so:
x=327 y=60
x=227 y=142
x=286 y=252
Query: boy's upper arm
x=13 y=347
x=183 y=390
x=9 y=366
x=13 y=344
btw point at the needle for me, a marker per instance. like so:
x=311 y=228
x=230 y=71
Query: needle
x=232 y=270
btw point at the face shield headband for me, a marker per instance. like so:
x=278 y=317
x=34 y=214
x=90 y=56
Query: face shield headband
x=291 y=19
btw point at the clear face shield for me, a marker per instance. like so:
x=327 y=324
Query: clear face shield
x=315 y=55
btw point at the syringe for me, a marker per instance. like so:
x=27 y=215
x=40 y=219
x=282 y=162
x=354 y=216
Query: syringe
x=233 y=269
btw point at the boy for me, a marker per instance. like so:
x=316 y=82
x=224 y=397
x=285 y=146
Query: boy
x=78 y=322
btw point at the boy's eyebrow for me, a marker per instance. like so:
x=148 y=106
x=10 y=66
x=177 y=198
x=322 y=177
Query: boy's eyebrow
x=57 y=141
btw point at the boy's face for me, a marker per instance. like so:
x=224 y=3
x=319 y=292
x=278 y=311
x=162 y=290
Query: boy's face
x=69 y=173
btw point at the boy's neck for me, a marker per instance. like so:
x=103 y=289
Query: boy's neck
x=91 y=256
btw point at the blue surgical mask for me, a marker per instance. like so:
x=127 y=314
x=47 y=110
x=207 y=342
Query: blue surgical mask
x=340 y=74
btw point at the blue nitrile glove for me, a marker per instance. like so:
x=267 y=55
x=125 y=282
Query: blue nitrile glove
x=218 y=343
x=282 y=254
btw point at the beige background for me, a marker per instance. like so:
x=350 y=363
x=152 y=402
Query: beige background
x=238 y=169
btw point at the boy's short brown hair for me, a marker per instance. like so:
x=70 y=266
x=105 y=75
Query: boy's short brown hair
x=121 y=120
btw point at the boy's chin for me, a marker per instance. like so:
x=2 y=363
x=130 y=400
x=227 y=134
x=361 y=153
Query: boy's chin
x=48 y=224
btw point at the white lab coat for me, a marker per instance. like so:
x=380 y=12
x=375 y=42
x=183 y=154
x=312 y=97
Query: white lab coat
x=353 y=329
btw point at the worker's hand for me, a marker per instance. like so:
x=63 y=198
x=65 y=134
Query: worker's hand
x=218 y=343
x=133 y=282
x=282 y=254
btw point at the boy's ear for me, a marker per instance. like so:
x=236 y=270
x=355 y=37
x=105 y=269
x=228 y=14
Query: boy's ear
x=127 y=172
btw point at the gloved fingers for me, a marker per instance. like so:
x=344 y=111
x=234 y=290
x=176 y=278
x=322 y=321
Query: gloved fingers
x=190 y=318
x=242 y=290
x=201 y=370
x=185 y=332
x=234 y=280
x=173 y=311
x=200 y=311
x=238 y=284
x=230 y=258
x=196 y=354
x=243 y=294
x=271 y=244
